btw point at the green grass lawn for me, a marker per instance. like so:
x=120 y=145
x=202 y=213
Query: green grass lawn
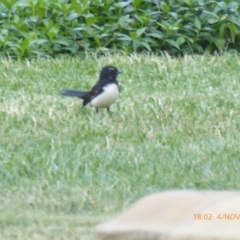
x=64 y=168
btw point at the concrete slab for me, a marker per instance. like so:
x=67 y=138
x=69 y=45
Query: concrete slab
x=178 y=215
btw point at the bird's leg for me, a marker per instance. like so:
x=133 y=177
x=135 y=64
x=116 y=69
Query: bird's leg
x=96 y=110
x=108 y=109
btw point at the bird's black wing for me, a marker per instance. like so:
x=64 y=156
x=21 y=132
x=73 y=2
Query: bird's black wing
x=96 y=90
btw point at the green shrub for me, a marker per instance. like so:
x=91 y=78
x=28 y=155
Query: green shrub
x=47 y=28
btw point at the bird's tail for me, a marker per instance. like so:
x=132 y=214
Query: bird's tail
x=74 y=93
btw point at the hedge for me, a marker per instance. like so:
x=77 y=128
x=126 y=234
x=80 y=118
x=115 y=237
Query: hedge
x=47 y=28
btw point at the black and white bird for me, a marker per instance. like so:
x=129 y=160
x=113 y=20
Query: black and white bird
x=103 y=94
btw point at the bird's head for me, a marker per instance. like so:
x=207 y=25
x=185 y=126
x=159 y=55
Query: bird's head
x=109 y=72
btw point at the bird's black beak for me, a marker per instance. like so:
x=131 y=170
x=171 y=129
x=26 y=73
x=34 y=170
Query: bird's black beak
x=118 y=72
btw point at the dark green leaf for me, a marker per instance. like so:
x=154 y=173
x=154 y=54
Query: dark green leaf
x=198 y=47
x=123 y=3
x=53 y=31
x=233 y=6
x=157 y=35
x=197 y=23
x=136 y=44
x=235 y=20
x=7 y=4
x=133 y=35
x=97 y=40
x=62 y=42
x=140 y=31
x=40 y=41
x=233 y=31
x=222 y=5
x=174 y=15
x=210 y=14
x=32 y=36
x=123 y=19
x=165 y=7
x=212 y=20
x=124 y=37
x=90 y=19
x=146 y=45
x=180 y=41
x=25 y=44
x=172 y=43
x=222 y=30
x=136 y=3
x=220 y=43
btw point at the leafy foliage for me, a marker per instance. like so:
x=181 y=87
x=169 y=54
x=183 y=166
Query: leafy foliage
x=46 y=28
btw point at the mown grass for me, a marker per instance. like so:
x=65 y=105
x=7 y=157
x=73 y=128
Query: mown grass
x=64 y=168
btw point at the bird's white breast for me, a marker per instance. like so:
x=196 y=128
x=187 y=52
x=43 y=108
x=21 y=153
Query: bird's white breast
x=107 y=97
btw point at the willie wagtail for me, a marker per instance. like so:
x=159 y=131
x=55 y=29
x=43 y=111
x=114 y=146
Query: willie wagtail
x=103 y=94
